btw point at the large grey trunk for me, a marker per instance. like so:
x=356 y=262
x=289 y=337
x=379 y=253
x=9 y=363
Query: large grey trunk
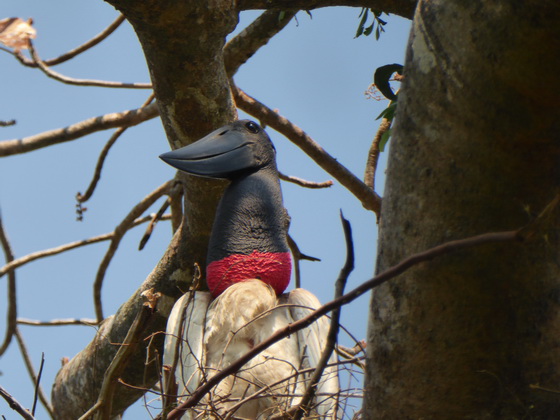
x=474 y=335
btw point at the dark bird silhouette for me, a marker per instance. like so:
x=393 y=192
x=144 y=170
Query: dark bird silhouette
x=248 y=269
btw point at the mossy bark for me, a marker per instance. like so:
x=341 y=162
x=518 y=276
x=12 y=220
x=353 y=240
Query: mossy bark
x=476 y=149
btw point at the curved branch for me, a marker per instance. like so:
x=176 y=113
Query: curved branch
x=81 y=82
x=120 y=231
x=242 y=47
x=370 y=200
x=11 y=321
x=82 y=198
x=76 y=51
x=373 y=154
x=75 y=131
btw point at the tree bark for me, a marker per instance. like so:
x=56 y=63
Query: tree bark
x=476 y=149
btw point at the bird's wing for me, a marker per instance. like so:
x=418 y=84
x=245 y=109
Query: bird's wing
x=183 y=348
x=312 y=341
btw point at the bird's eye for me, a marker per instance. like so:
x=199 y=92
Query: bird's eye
x=252 y=127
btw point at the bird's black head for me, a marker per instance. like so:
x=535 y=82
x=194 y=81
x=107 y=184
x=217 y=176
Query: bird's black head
x=228 y=152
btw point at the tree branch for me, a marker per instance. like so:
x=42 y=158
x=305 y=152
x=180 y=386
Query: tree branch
x=304 y=183
x=373 y=154
x=120 y=231
x=75 y=131
x=103 y=155
x=60 y=249
x=11 y=318
x=370 y=200
x=32 y=374
x=404 y=8
x=242 y=47
x=76 y=51
x=15 y=405
x=81 y=82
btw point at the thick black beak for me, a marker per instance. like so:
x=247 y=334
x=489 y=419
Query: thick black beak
x=220 y=154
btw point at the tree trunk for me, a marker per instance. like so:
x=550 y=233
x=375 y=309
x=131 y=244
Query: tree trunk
x=474 y=335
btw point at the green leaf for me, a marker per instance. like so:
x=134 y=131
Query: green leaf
x=360 y=30
x=389 y=112
x=368 y=30
x=384 y=139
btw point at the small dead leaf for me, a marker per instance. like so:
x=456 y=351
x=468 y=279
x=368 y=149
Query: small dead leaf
x=15 y=33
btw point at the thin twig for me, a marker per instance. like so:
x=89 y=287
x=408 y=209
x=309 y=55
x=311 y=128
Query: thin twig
x=76 y=51
x=120 y=231
x=31 y=371
x=11 y=317
x=7 y=123
x=334 y=326
x=373 y=154
x=57 y=322
x=304 y=183
x=82 y=198
x=81 y=82
x=37 y=384
x=298 y=256
x=15 y=405
x=63 y=248
x=78 y=130
x=242 y=47
x=369 y=199
x=430 y=254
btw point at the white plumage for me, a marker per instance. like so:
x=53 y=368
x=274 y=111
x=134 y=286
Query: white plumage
x=205 y=336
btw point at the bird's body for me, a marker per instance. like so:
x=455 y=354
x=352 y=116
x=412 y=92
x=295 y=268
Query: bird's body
x=248 y=268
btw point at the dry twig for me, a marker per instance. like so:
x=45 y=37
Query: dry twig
x=81 y=82
x=82 y=198
x=78 y=50
x=32 y=374
x=120 y=231
x=304 y=183
x=11 y=318
x=373 y=154
x=15 y=405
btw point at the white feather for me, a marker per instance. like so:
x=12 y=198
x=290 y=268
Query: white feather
x=244 y=315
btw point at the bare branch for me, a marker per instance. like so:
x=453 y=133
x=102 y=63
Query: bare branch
x=37 y=384
x=335 y=324
x=242 y=47
x=31 y=370
x=75 y=131
x=11 y=318
x=103 y=155
x=57 y=322
x=15 y=405
x=373 y=154
x=404 y=8
x=304 y=183
x=58 y=250
x=392 y=272
x=81 y=82
x=120 y=231
x=116 y=368
x=298 y=256
x=78 y=50
x=370 y=200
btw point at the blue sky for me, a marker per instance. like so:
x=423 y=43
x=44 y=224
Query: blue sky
x=314 y=72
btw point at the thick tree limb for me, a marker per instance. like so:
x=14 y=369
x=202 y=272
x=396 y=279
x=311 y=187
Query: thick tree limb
x=370 y=200
x=75 y=131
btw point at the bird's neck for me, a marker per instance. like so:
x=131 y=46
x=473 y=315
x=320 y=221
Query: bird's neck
x=249 y=236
